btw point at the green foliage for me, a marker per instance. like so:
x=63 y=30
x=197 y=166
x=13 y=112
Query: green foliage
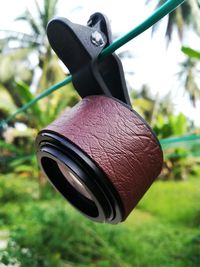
x=144 y=107
x=67 y=238
x=177 y=202
x=26 y=96
x=19 y=156
x=16 y=76
x=48 y=232
x=17 y=190
x=191 y=52
x=171 y=125
x=7 y=147
x=27 y=165
x=6 y=104
x=179 y=156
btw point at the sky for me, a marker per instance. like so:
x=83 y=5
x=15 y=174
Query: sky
x=152 y=63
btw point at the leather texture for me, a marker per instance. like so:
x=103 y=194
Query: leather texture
x=118 y=140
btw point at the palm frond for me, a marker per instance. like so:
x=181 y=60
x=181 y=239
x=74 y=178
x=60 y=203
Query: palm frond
x=38 y=9
x=188 y=76
x=169 y=28
x=191 y=52
x=27 y=16
x=49 y=11
x=23 y=39
x=179 y=22
x=188 y=14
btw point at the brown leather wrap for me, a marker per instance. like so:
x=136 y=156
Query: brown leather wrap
x=118 y=140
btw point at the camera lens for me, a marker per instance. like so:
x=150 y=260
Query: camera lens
x=77 y=178
x=74 y=181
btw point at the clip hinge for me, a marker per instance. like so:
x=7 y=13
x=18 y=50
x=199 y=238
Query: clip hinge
x=79 y=48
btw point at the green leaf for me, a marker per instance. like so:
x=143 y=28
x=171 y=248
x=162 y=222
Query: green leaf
x=26 y=96
x=10 y=147
x=22 y=160
x=190 y=52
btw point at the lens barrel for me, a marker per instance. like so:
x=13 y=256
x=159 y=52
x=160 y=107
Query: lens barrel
x=101 y=203
x=101 y=156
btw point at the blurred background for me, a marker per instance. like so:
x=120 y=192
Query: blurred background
x=37 y=226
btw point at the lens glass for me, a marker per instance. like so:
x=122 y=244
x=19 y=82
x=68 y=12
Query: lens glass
x=74 y=181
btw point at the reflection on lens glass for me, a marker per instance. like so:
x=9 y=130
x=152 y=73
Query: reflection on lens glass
x=74 y=181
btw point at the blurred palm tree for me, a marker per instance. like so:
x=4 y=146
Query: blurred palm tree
x=185 y=16
x=47 y=60
x=25 y=60
x=189 y=73
x=16 y=67
x=151 y=107
x=36 y=42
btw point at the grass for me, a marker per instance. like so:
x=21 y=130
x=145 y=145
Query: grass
x=45 y=231
x=176 y=202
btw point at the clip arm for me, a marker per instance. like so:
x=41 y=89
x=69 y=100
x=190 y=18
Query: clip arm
x=79 y=48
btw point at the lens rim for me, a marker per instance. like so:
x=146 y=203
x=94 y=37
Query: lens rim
x=57 y=179
x=109 y=205
x=74 y=180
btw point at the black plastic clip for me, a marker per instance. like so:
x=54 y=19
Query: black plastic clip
x=79 y=48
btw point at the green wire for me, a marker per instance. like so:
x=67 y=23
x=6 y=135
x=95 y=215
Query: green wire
x=179 y=139
x=185 y=155
x=158 y=14
x=40 y=96
x=165 y=9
